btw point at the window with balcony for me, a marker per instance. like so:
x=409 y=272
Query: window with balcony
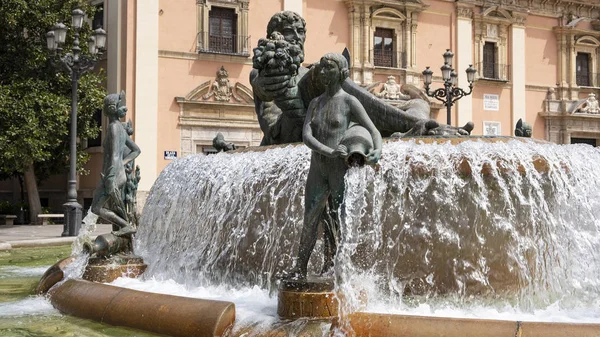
x=223 y=27
x=489 y=60
x=582 y=69
x=491 y=39
x=383 y=49
x=222 y=30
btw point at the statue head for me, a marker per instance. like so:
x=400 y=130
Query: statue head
x=114 y=105
x=289 y=24
x=592 y=96
x=111 y=105
x=523 y=129
x=334 y=67
x=391 y=79
x=222 y=74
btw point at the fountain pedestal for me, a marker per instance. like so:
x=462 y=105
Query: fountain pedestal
x=311 y=298
x=106 y=270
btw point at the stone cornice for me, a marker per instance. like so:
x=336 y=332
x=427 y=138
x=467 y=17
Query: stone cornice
x=564 y=30
x=553 y=8
x=183 y=100
x=229 y=58
x=409 y=5
x=464 y=11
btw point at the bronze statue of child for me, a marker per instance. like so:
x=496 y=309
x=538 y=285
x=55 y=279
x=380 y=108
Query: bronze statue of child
x=329 y=116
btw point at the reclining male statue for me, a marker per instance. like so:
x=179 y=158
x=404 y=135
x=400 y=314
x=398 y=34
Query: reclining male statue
x=283 y=90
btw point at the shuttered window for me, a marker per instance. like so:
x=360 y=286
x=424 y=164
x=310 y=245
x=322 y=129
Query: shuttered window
x=582 y=68
x=222 y=30
x=383 y=49
x=489 y=60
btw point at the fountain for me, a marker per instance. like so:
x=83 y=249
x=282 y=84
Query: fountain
x=444 y=235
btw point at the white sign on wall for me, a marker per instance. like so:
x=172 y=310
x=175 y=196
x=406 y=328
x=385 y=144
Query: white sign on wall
x=492 y=128
x=491 y=102
x=170 y=155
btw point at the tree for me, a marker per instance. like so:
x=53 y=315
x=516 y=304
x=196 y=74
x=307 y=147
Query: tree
x=35 y=99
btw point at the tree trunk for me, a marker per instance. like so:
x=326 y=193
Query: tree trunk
x=33 y=196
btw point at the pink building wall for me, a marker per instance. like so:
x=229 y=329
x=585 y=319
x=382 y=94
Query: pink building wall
x=435 y=34
x=327 y=28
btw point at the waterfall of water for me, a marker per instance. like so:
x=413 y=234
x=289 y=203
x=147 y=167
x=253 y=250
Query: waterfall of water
x=513 y=222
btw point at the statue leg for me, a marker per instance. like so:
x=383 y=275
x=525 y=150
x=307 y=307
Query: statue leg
x=330 y=236
x=98 y=203
x=337 y=173
x=317 y=191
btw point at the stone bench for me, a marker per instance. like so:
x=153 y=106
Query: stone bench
x=45 y=217
x=7 y=220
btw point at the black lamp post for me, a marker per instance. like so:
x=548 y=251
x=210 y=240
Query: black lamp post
x=75 y=65
x=450 y=93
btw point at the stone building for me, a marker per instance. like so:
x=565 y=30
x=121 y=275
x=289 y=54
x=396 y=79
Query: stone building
x=185 y=67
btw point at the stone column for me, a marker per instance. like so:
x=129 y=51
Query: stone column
x=354 y=46
x=146 y=91
x=413 y=42
x=464 y=57
x=518 y=69
x=114 y=48
x=367 y=42
x=202 y=24
x=243 y=40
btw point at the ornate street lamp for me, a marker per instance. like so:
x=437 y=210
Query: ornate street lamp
x=450 y=93
x=75 y=65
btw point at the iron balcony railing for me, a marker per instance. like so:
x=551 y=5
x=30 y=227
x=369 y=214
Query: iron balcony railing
x=219 y=44
x=493 y=71
x=390 y=59
x=587 y=79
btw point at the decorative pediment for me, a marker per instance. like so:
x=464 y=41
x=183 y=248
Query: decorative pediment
x=497 y=13
x=221 y=90
x=588 y=40
x=389 y=13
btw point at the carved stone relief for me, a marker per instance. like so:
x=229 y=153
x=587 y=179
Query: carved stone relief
x=221 y=88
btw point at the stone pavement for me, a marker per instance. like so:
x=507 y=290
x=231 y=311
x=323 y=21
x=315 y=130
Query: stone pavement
x=32 y=236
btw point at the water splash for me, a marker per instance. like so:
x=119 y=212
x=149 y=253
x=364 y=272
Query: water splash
x=88 y=226
x=494 y=224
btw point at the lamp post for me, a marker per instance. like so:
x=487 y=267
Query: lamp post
x=450 y=93
x=75 y=65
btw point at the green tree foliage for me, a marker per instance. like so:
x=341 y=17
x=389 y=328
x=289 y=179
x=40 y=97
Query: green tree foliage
x=34 y=97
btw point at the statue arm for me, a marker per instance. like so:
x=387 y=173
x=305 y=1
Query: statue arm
x=359 y=114
x=266 y=88
x=135 y=151
x=308 y=137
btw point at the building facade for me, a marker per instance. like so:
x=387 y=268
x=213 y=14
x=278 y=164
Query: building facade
x=185 y=67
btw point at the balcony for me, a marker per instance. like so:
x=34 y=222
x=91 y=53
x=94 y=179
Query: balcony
x=229 y=45
x=493 y=71
x=389 y=59
x=587 y=79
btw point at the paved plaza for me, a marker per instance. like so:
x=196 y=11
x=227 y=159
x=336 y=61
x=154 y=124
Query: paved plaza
x=49 y=235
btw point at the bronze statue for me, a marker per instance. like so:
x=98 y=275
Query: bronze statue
x=282 y=94
x=114 y=197
x=523 y=129
x=221 y=145
x=330 y=116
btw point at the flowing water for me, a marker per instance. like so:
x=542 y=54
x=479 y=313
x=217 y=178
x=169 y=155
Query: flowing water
x=505 y=229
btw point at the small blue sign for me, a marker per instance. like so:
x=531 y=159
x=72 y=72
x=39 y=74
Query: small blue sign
x=170 y=155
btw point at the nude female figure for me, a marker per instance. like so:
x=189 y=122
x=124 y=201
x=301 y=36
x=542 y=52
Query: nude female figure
x=328 y=117
x=119 y=150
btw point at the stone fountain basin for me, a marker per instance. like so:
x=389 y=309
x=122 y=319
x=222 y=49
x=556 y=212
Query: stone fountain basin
x=181 y=316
